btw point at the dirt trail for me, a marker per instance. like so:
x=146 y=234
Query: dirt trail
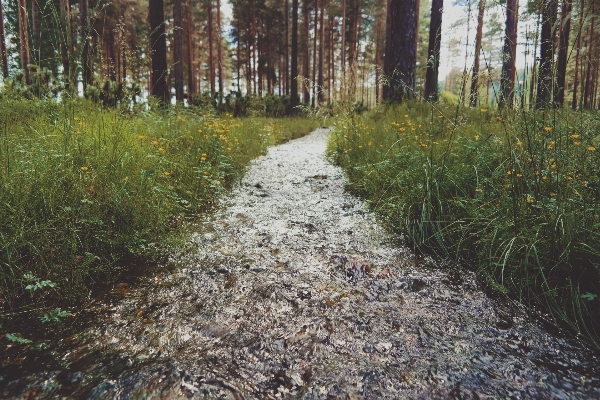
x=295 y=291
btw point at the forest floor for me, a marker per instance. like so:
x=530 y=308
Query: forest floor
x=295 y=290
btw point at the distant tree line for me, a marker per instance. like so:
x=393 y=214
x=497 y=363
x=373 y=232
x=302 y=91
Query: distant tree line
x=313 y=51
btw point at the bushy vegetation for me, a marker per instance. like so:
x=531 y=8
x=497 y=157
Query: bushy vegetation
x=84 y=189
x=515 y=195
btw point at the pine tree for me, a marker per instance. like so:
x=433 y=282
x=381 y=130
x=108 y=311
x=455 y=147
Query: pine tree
x=401 y=50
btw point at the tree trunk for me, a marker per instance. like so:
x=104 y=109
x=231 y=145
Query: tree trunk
x=343 y=51
x=85 y=44
x=286 y=75
x=433 y=52
x=545 y=81
x=253 y=42
x=475 y=79
x=219 y=50
x=189 y=27
x=578 y=51
x=294 y=81
x=24 y=39
x=587 y=97
x=3 y=55
x=509 y=53
x=401 y=50
x=329 y=47
x=36 y=25
x=305 y=52
x=158 y=55
x=320 y=80
x=211 y=59
x=314 y=64
x=563 y=47
x=178 y=48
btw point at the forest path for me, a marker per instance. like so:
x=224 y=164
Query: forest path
x=296 y=291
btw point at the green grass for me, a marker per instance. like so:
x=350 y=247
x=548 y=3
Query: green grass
x=84 y=190
x=515 y=195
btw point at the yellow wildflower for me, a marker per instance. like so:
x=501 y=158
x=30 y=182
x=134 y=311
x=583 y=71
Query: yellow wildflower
x=574 y=136
x=155 y=142
x=141 y=137
x=167 y=173
x=161 y=149
x=483 y=110
x=576 y=143
x=84 y=168
x=548 y=128
x=591 y=148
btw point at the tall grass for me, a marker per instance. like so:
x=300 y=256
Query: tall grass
x=84 y=189
x=515 y=195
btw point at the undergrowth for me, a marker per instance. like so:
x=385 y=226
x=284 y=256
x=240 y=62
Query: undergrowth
x=83 y=190
x=514 y=195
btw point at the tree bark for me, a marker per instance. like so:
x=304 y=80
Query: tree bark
x=545 y=81
x=343 y=51
x=35 y=27
x=219 y=50
x=286 y=74
x=24 y=39
x=507 y=80
x=320 y=80
x=433 y=52
x=178 y=48
x=85 y=44
x=587 y=97
x=3 y=55
x=578 y=52
x=314 y=64
x=401 y=50
x=305 y=51
x=294 y=68
x=158 y=46
x=563 y=47
x=475 y=79
x=189 y=30
x=211 y=59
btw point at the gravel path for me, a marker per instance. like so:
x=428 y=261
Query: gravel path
x=295 y=291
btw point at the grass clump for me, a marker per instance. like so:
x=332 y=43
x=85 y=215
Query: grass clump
x=515 y=195
x=84 y=189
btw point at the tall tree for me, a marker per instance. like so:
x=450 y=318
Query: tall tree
x=578 y=51
x=158 y=48
x=305 y=50
x=433 y=52
x=294 y=68
x=314 y=65
x=401 y=50
x=563 y=46
x=24 y=39
x=545 y=81
x=343 y=50
x=219 y=49
x=189 y=30
x=286 y=84
x=178 y=48
x=478 y=37
x=36 y=27
x=588 y=91
x=3 y=55
x=509 y=54
x=211 y=59
x=320 y=80
x=86 y=62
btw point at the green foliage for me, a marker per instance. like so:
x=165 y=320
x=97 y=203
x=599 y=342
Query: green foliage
x=17 y=338
x=516 y=196
x=55 y=315
x=84 y=189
